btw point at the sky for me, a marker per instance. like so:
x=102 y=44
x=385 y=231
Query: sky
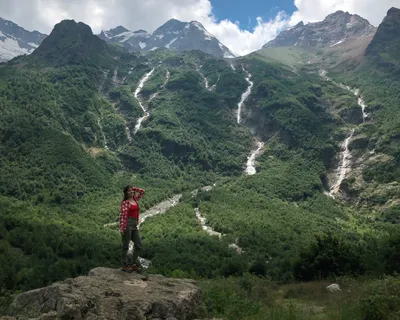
x=243 y=26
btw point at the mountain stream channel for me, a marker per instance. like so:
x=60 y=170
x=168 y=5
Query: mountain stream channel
x=165 y=205
x=344 y=166
x=162 y=207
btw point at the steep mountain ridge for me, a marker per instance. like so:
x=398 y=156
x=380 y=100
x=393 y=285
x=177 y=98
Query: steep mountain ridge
x=133 y=41
x=174 y=34
x=335 y=29
x=385 y=46
x=71 y=43
x=15 y=40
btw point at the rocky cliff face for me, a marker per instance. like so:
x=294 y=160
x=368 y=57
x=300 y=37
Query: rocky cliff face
x=110 y=294
x=333 y=30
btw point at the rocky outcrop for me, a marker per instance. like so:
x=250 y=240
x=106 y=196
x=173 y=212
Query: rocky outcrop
x=360 y=142
x=336 y=28
x=110 y=294
x=352 y=115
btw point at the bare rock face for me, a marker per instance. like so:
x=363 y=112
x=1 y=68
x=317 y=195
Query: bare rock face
x=110 y=294
x=333 y=30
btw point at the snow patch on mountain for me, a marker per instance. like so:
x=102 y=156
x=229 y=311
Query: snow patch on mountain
x=339 y=42
x=9 y=48
x=125 y=36
x=171 y=42
x=15 y=40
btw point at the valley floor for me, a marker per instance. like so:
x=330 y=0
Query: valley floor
x=255 y=299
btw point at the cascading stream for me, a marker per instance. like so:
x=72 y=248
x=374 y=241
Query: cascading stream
x=154 y=95
x=114 y=79
x=245 y=95
x=203 y=223
x=355 y=91
x=251 y=160
x=102 y=133
x=162 y=208
x=211 y=232
x=345 y=164
x=137 y=92
x=127 y=130
x=206 y=85
x=214 y=86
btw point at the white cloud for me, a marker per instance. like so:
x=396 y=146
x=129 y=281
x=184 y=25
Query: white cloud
x=150 y=14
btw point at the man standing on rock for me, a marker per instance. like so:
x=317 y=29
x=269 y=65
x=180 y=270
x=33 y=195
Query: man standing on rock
x=128 y=226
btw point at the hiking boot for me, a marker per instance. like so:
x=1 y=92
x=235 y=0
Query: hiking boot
x=135 y=268
x=126 y=268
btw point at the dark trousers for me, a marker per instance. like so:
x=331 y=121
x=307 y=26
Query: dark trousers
x=131 y=233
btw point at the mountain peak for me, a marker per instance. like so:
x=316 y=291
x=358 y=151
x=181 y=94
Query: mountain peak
x=336 y=28
x=70 y=43
x=140 y=31
x=393 y=10
x=174 y=34
x=299 y=25
x=15 y=40
x=386 y=41
x=70 y=26
x=187 y=36
x=117 y=30
x=337 y=13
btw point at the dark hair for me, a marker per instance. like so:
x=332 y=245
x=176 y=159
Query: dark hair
x=126 y=192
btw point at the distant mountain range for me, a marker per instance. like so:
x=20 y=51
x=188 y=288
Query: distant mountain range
x=335 y=29
x=175 y=35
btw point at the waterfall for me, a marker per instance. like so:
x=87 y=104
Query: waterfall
x=154 y=95
x=344 y=166
x=137 y=92
x=102 y=133
x=204 y=78
x=114 y=79
x=250 y=165
x=355 y=91
x=245 y=95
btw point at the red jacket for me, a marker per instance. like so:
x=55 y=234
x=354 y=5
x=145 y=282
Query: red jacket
x=129 y=210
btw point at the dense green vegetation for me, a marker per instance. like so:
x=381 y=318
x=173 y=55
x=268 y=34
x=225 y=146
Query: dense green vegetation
x=253 y=298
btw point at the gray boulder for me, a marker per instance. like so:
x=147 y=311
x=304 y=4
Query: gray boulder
x=110 y=294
